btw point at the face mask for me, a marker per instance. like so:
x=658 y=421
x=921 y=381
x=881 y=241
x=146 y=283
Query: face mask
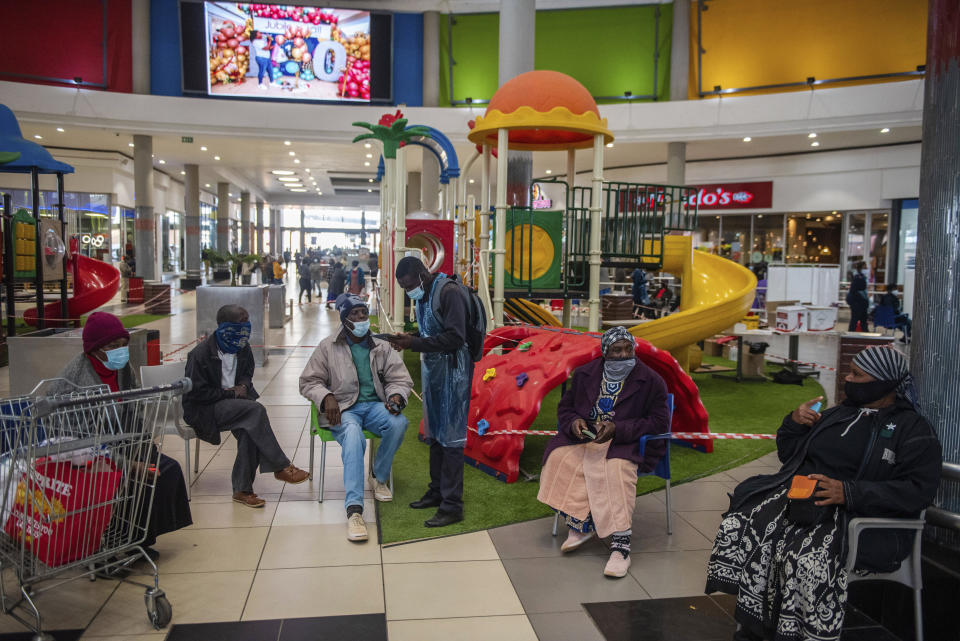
x=417 y=292
x=360 y=328
x=117 y=358
x=865 y=393
x=233 y=337
x=615 y=370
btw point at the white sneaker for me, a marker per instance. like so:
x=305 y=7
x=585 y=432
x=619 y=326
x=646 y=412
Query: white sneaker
x=356 y=528
x=574 y=540
x=263 y=87
x=381 y=492
x=617 y=565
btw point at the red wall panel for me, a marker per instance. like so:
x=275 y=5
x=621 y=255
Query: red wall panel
x=54 y=41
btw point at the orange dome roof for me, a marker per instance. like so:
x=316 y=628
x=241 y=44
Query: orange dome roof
x=544 y=110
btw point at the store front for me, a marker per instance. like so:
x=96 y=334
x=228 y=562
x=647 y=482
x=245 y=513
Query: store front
x=87 y=217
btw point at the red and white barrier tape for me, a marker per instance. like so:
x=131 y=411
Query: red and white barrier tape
x=686 y=436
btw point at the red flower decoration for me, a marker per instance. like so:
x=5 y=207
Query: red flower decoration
x=388 y=119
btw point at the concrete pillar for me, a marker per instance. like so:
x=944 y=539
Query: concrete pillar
x=259 y=227
x=276 y=233
x=191 y=208
x=517 y=26
x=679 y=81
x=145 y=224
x=937 y=301
x=431 y=58
x=303 y=239
x=430 y=182
x=140 y=45
x=413 y=191
x=676 y=163
x=223 y=217
x=245 y=222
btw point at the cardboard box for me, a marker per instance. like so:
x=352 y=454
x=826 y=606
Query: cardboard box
x=712 y=348
x=792 y=318
x=821 y=319
x=753 y=364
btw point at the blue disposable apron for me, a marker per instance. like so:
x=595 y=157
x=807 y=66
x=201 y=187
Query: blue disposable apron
x=446 y=378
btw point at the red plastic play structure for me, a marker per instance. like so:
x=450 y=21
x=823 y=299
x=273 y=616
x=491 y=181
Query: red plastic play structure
x=552 y=356
x=94 y=284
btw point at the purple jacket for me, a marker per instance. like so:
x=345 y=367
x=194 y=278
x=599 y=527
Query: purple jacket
x=641 y=409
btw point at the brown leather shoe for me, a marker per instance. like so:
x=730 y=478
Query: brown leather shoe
x=292 y=475
x=249 y=499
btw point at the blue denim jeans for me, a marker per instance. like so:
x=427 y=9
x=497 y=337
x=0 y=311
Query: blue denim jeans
x=375 y=418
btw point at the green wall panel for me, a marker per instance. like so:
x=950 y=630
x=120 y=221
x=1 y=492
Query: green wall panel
x=609 y=50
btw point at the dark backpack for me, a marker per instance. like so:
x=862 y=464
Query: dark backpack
x=476 y=319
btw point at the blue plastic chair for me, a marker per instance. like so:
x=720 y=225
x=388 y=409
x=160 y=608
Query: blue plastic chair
x=884 y=316
x=662 y=469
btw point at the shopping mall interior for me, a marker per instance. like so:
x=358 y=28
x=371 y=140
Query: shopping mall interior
x=762 y=198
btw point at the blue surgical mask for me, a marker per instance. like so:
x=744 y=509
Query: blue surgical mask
x=117 y=358
x=417 y=292
x=360 y=328
x=233 y=337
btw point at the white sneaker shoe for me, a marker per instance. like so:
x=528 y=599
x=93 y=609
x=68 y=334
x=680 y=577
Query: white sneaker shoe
x=356 y=528
x=574 y=540
x=617 y=565
x=381 y=492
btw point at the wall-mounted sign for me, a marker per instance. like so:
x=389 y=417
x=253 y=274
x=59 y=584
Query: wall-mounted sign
x=539 y=199
x=726 y=196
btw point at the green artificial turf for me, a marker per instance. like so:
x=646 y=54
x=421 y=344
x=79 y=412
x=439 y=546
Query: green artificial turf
x=754 y=407
x=130 y=320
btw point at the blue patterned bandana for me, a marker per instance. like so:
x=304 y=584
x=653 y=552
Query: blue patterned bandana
x=233 y=337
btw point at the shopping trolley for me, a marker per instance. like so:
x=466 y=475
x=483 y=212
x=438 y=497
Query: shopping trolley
x=77 y=475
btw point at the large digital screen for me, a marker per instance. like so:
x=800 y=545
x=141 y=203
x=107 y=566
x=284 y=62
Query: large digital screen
x=287 y=52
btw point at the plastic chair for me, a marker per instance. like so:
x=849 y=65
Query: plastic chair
x=320 y=426
x=909 y=572
x=884 y=316
x=153 y=375
x=662 y=469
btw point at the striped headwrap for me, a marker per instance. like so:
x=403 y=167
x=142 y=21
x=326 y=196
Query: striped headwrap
x=887 y=364
x=614 y=334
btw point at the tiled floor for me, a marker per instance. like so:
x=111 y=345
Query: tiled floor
x=287 y=571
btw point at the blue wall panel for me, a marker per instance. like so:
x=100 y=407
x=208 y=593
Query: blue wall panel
x=165 y=65
x=408 y=59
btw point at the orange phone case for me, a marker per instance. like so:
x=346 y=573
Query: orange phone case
x=802 y=487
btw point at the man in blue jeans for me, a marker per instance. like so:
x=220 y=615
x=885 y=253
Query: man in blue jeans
x=359 y=383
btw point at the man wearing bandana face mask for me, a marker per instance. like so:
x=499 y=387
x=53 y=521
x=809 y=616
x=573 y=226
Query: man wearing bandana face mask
x=590 y=467
x=223 y=398
x=873 y=455
x=359 y=383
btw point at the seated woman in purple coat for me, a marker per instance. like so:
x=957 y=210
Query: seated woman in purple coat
x=590 y=467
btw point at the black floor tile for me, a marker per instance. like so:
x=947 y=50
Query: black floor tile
x=368 y=627
x=227 y=631
x=684 y=619
x=875 y=633
x=58 y=635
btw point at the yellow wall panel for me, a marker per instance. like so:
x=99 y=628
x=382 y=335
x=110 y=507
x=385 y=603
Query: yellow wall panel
x=750 y=43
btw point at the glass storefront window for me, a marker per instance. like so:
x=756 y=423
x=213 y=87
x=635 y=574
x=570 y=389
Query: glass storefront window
x=208 y=229
x=814 y=237
x=879 y=228
x=735 y=238
x=172 y=241
x=707 y=235
x=908 y=237
x=767 y=242
x=856 y=226
x=86 y=215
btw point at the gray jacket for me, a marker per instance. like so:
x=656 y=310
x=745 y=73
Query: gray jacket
x=80 y=372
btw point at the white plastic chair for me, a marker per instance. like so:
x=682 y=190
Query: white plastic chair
x=908 y=574
x=152 y=375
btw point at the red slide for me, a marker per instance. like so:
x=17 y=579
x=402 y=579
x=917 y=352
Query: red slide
x=552 y=355
x=94 y=284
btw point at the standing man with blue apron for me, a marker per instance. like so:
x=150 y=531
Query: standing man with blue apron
x=446 y=376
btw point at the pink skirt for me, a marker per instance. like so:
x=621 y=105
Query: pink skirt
x=580 y=480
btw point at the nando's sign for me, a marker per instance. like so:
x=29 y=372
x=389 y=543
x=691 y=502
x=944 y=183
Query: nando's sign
x=720 y=196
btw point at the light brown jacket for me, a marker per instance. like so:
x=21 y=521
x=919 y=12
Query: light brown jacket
x=330 y=370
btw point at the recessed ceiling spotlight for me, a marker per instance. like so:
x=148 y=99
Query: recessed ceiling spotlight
x=216 y=157
x=287 y=143
x=369 y=155
x=183 y=173
x=319 y=193
x=163 y=162
x=293 y=153
x=367 y=145
x=282 y=172
x=549 y=171
x=747 y=139
x=369 y=180
x=229 y=194
x=307 y=170
x=288 y=179
x=472 y=181
x=812 y=134
x=369 y=191
x=203 y=148
x=130 y=144
x=206 y=185
x=60 y=129
x=296 y=161
x=366 y=163
x=815 y=144
x=38 y=136
x=609 y=144
x=885 y=130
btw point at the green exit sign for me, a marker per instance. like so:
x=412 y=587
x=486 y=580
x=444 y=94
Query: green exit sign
x=186 y=138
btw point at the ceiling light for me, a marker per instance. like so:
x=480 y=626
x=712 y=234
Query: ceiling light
x=885 y=130
x=282 y=172
x=812 y=135
x=129 y=144
x=288 y=179
x=472 y=181
x=60 y=129
x=367 y=145
x=299 y=191
x=203 y=148
x=307 y=170
x=369 y=180
x=229 y=194
x=206 y=184
x=293 y=153
x=609 y=144
x=815 y=144
x=287 y=143
x=747 y=139
x=369 y=155
x=163 y=162
x=366 y=163
x=549 y=171
x=183 y=173
x=216 y=157
x=38 y=136
x=319 y=193
x=369 y=191
x=296 y=161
